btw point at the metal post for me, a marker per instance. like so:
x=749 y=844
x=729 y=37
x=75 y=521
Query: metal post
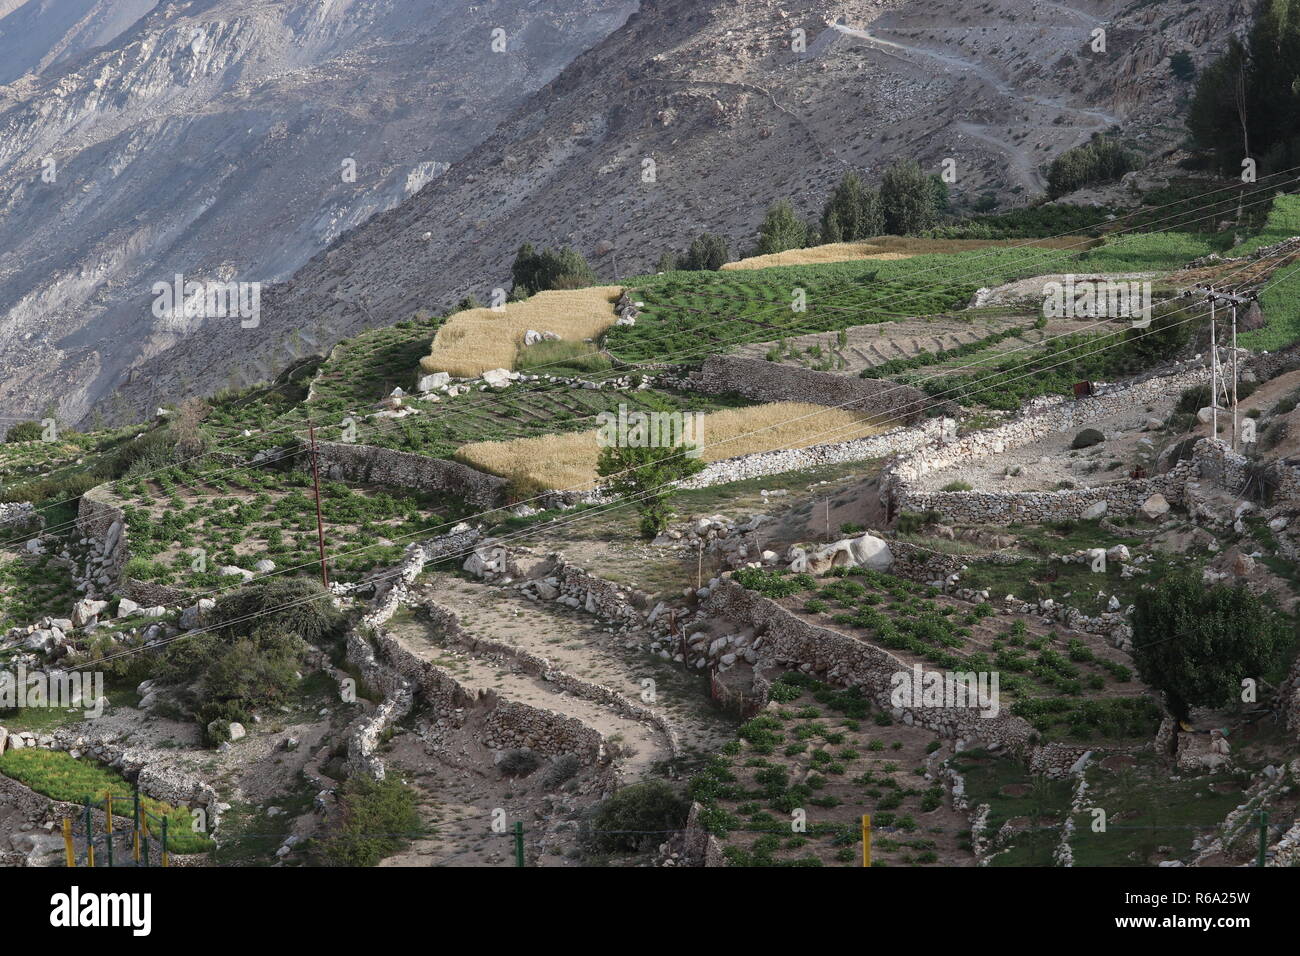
x=165 y=859
x=108 y=825
x=519 y=843
x=1263 y=837
x=320 y=530
x=90 y=836
x=135 y=819
x=69 y=849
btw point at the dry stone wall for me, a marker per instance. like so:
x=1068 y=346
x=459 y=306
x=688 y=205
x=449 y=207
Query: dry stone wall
x=899 y=483
x=775 y=382
x=367 y=464
x=389 y=667
x=785 y=640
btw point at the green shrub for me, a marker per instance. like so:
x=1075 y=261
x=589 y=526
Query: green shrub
x=562 y=769
x=24 y=431
x=1099 y=161
x=637 y=817
x=519 y=762
x=1087 y=438
x=376 y=819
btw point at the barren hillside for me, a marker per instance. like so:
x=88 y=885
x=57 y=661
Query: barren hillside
x=730 y=116
x=225 y=140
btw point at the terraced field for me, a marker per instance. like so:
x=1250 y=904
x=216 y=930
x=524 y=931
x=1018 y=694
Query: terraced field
x=1067 y=684
x=832 y=756
x=242 y=518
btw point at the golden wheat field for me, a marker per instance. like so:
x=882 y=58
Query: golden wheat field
x=886 y=248
x=476 y=340
x=568 y=461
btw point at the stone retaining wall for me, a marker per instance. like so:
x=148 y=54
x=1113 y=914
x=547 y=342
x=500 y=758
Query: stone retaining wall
x=1121 y=498
x=397 y=673
x=784 y=639
x=368 y=464
x=763 y=381
x=898 y=483
x=538 y=666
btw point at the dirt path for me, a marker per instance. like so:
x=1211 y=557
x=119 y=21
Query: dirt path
x=643 y=746
x=576 y=643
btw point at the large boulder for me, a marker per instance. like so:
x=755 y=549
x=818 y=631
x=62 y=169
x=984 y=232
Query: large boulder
x=497 y=377
x=86 y=610
x=866 y=551
x=1155 y=507
x=432 y=382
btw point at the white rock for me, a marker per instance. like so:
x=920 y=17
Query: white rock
x=1094 y=511
x=1155 y=507
x=429 y=383
x=86 y=610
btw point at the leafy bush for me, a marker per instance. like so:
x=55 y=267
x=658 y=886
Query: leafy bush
x=637 y=817
x=535 y=272
x=377 y=818
x=1196 y=643
x=1087 y=438
x=562 y=769
x=23 y=431
x=1100 y=161
x=299 y=606
x=518 y=763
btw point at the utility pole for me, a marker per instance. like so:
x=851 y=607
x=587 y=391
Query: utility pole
x=320 y=528
x=1234 y=376
x=1214 y=375
x=1236 y=301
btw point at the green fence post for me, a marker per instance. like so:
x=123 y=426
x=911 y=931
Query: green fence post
x=90 y=836
x=1263 y=836
x=519 y=843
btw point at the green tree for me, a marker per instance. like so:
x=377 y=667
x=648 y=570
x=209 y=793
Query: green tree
x=781 y=230
x=851 y=213
x=534 y=271
x=1247 y=102
x=642 y=476
x=908 y=200
x=706 y=252
x=1196 y=643
x=637 y=817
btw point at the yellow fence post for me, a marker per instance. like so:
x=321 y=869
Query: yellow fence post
x=866 y=839
x=68 y=847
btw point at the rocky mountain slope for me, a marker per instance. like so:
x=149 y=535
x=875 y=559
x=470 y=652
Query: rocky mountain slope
x=216 y=139
x=731 y=104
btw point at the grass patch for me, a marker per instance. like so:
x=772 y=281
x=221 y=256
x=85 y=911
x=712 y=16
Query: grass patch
x=59 y=776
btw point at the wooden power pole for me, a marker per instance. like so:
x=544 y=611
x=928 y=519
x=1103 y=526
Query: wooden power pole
x=320 y=527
